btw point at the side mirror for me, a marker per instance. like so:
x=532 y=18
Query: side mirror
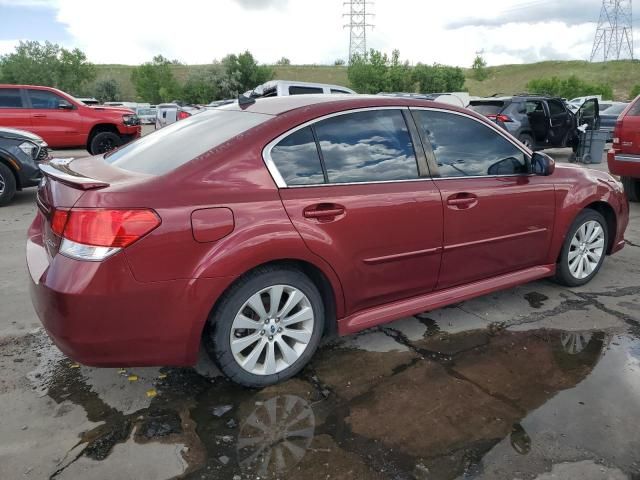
x=65 y=106
x=542 y=164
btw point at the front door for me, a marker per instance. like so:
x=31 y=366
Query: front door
x=354 y=194
x=55 y=119
x=561 y=123
x=497 y=217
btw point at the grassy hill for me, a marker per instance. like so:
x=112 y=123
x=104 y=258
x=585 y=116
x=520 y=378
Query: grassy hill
x=508 y=79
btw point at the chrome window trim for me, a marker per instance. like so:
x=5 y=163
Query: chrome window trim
x=277 y=176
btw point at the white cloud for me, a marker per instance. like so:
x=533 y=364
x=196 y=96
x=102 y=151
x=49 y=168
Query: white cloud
x=306 y=31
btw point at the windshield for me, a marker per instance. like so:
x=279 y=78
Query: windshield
x=146 y=111
x=615 y=109
x=170 y=147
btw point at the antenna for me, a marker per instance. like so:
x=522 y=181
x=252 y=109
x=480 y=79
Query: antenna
x=358 y=15
x=614 y=35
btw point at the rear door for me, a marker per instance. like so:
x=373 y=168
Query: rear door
x=351 y=186
x=13 y=109
x=560 y=123
x=55 y=119
x=497 y=217
x=628 y=132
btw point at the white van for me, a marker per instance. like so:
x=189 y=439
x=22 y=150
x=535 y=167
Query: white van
x=282 y=88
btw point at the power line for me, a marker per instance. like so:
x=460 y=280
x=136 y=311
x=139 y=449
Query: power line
x=614 y=35
x=358 y=15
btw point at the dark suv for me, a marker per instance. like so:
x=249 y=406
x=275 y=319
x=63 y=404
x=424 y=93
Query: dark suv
x=538 y=121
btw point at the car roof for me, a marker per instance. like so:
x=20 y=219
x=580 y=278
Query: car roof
x=273 y=83
x=281 y=105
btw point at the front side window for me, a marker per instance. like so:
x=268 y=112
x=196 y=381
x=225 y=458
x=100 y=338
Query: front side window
x=42 y=99
x=10 y=98
x=556 y=108
x=464 y=147
x=369 y=146
x=298 y=160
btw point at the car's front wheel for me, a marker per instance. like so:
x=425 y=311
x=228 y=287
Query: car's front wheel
x=526 y=140
x=266 y=327
x=584 y=249
x=104 y=142
x=7 y=185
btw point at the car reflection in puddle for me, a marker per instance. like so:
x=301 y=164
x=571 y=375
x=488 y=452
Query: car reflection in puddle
x=432 y=408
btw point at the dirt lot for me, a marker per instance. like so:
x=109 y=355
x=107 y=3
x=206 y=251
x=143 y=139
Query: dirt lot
x=537 y=382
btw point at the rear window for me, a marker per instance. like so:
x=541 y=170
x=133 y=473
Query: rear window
x=615 y=109
x=487 y=108
x=634 y=111
x=170 y=147
x=298 y=90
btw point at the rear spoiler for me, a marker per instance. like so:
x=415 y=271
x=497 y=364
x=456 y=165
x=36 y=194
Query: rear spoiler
x=59 y=170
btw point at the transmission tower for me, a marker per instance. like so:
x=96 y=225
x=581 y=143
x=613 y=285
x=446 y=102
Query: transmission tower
x=614 y=36
x=358 y=16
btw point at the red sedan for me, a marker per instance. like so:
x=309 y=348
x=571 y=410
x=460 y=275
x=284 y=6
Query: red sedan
x=263 y=225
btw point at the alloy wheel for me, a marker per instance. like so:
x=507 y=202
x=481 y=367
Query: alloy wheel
x=586 y=250
x=2 y=184
x=272 y=330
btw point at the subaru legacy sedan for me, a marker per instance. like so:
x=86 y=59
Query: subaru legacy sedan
x=256 y=228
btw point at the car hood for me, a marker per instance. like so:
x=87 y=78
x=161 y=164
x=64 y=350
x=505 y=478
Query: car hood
x=20 y=135
x=123 y=110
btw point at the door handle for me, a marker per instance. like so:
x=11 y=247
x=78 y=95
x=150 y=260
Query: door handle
x=462 y=200
x=325 y=211
x=40 y=115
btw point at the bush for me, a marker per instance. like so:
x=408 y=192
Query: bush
x=635 y=91
x=479 y=68
x=569 y=88
x=210 y=83
x=245 y=69
x=438 y=78
x=154 y=81
x=107 y=90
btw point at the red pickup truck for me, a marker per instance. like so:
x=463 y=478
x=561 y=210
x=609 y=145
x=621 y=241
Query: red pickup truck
x=64 y=122
x=624 y=156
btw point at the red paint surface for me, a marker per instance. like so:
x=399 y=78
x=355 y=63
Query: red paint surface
x=386 y=251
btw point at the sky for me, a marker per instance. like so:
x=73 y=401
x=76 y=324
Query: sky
x=306 y=31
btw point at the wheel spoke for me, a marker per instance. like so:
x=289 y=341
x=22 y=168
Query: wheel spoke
x=275 y=294
x=243 y=321
x=289 y=355
x=239 y=344
x=256 y=304
x=270 y=361
x=573 y=254
x=597 y=231
x=597 y=244
x=303 y=315
x=301 y=336
x=294 y=298
x=252 y=358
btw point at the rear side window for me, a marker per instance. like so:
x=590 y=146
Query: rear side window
x=297 y=90
x=370 y=146
x=556 y=108
x=170 y=147
x=298 y=160
x=464 y=147
x=10 y=98
x=335 y=90
x=487 y=108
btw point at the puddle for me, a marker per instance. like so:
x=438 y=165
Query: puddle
x=441 y=406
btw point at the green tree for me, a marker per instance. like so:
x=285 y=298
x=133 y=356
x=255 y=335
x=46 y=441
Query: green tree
x=479 y=68
x=339 y=62
x=569 y=87
x=210 y=83
x=246 y=70
x=154 y=81
x=368 y=74
x=398 y=75
x=47 y=64
x=283 y=61
x=438 y=78
x=635 y=91
x=106 y=90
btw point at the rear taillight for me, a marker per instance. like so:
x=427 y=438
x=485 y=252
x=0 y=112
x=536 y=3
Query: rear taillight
x=95 y=234
x=500 y=118
x=616 y=134
x=182 y=115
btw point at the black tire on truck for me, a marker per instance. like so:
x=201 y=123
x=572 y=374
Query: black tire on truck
x=7 y=185
x=631 y=188
x=104 y=142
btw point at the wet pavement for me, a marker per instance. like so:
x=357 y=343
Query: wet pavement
x=536 y=382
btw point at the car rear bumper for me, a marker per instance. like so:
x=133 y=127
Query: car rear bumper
x=99 y=315
x=624 y=165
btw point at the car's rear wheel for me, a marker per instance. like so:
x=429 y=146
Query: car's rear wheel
x=584 y=249
x=266 y=327
x=7 y=185
x=631 y=188
x=104 y=142
x=526 y=140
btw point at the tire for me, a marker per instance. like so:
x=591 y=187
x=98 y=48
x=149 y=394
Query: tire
x=104 y=142
x=7 y=185
x=631 y=188
x=266 y=337
x=569 y=273
x=526 y=140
